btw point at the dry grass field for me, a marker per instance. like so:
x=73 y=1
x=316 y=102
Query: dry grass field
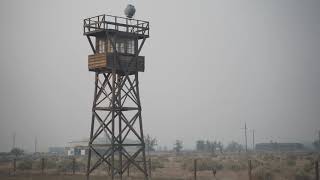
x=168 y=166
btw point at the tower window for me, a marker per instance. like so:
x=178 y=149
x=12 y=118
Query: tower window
x=101 y=46
x=110 y=47
x=130 y=47
x=120 y=47
x=125 y=46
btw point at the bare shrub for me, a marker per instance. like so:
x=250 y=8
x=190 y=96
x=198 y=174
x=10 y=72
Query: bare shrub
x=261 y=173
x=291 y=162
x=25 y=165
x=301 y=175
x=155 y=164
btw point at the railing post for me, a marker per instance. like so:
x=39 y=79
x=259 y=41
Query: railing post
x=317 y=169
x=89 y=24
x=127 y=25
x=249 y=169
x=99 y=22
x=195 y=169
x=84 y=26
x=104 y=21
x=137 y=30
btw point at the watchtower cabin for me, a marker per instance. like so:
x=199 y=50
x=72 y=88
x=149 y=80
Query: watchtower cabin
x=116 y=43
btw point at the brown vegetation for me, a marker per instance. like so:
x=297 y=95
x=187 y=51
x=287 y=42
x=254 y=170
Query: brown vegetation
x=168 y=166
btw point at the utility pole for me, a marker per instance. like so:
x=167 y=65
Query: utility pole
x=14 y=140
x=253 y=143
x=245 y=134
x=35 y=144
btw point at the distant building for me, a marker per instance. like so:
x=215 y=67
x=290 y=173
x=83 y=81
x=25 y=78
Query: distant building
x=77 y=148
x=56 y=150
x=80 y=148
x=77 y=151
x=283 y=147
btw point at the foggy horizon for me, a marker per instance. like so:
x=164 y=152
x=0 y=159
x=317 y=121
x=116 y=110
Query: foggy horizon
x=211 y=67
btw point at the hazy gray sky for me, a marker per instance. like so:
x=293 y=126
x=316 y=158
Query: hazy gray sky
x=210 y=67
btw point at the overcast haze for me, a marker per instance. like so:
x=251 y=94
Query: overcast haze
x=210 y=67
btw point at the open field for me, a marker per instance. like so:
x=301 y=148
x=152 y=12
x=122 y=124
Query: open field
x=167 y=166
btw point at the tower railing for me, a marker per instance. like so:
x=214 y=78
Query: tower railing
x=109 y=22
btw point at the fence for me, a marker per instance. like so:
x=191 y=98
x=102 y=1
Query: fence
x=43 y=165
x=187 y=166
x=258 y=167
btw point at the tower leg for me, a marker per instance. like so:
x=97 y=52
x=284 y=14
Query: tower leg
x=113 y=90
x=120 y=125
x=92 y=127
x=141 y=131
x=117 y=113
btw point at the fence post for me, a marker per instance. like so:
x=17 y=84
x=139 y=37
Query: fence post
x=109 y=167
x=317 y=169
x=14 y=166
x=249 y=169
x=73 y=165
x=42 y=165
x=128 y=171
x=150 y=168
x=195 y=169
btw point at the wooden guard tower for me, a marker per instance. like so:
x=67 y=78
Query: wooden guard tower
x=116 y=136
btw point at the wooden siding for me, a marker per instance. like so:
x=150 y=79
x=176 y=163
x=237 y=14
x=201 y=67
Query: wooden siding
x=97 y=61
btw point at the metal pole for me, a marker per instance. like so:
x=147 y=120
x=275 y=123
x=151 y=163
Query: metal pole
x=317 y=169
x=249 y=169
x=195 y=169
